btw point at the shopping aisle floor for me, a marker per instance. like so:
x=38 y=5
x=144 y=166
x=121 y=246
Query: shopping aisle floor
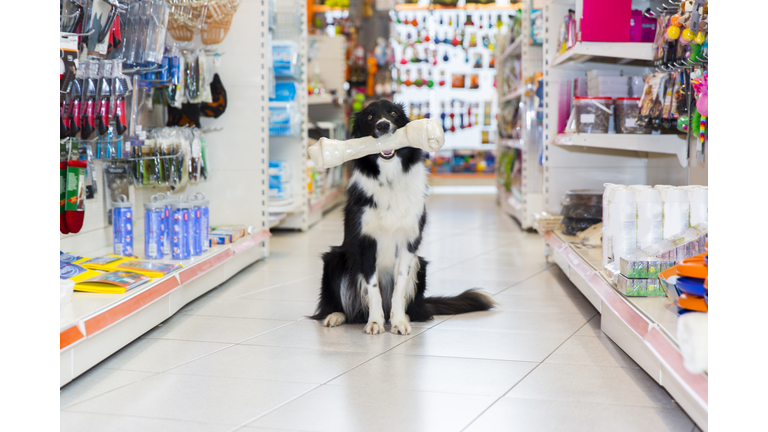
x=245 y=357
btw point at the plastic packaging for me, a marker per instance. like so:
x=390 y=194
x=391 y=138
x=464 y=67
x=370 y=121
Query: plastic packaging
x=167 y=219
x=640 y=287
x=154 y=228
x=639 y=266
x=122 y=226
x=606 y=228
x=649 y=217
x=676 y=211
x=615 y=86
x=284 y=119
x=195 y=225
x=66 y=288
x=573 y=226
x=593 y=114
x=699 y=205
x=578 y=211
x=626 y=110
x=585 y=197
x=202 y=203
x=180 y=230
x=623 y=214
x=285 y=58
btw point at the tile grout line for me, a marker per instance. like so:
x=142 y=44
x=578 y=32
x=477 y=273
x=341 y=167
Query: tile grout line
x=526 y=375
x=181 y=364
x=254 y=292
x=333 y=378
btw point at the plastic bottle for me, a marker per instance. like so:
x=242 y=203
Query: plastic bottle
x=167 y=202
x=649 y=217
x=194 y=226
x=205 y=221
x=676 y=211
x=623 y=226
x=606 y=227
x=154 y=228
x=122 y=226
x=699 y=202
x=180 y=230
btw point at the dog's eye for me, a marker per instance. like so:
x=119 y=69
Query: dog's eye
x=393 y=114
x=370 y=117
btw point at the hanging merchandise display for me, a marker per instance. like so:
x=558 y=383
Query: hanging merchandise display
x=456 y=48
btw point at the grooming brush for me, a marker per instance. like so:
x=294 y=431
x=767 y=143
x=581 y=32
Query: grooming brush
x=120 y=90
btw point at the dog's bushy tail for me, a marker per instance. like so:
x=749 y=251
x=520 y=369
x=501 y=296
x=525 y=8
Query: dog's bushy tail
x=471 y=300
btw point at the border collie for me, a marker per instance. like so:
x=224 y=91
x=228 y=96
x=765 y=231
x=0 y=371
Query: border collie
x=376 y=272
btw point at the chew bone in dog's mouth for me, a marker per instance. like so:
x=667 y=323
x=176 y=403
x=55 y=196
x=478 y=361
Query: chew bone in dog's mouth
x=387 y=154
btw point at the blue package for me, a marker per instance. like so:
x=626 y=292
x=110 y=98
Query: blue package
x=195 y=216
x=284 y=119
x=284 y=92
x=285 y=58
x=122 y=227
x=154 y=228
x=167 y=220
x=205 y=225
x=180 y=231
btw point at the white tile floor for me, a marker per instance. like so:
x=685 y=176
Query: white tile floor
x=243 y=357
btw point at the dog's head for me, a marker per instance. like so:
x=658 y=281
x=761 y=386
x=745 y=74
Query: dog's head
x=378 y=119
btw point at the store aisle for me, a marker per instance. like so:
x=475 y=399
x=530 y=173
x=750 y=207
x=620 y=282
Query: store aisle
x=244 y=357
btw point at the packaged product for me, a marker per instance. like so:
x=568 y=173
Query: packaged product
x=593 y=114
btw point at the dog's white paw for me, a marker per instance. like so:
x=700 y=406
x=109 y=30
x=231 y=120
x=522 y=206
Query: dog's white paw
x=374 y=327
x=400 y=326
x=335 y=319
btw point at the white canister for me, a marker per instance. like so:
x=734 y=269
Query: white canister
x=623 y=229
x=649 y=217
x=609 y=188
x=676 y=210
x=699 y=203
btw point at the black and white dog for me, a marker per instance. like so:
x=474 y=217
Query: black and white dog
x=376 y=272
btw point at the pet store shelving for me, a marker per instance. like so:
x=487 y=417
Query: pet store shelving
x=458 y=62
x=666 y=144
x=328 y=111
x=291 y=24
x=644 y=328
x=94 y=326
x=522 y=206
x=620 y=53
x=576 y=161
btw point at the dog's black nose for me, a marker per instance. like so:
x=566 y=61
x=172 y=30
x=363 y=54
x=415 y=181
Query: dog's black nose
x=383 y=127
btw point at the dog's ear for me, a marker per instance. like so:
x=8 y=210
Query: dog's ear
x=357 y=121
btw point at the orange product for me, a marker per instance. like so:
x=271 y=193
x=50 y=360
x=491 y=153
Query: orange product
x=691 y=302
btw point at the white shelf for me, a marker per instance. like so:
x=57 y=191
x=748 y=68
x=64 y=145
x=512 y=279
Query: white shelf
x=324 y=99
x=513 y=50
x=468 y=146
x=511 y=143
x=289 y=207
x=510 y=204
x=276 y=219
x=515 y=94
x=667 y=144
x=638 y=333
x=619 y=51
x=94 y=326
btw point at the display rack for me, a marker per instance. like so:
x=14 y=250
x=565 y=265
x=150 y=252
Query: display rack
x=587 y=162
x=644 y=328
x=529 y=201
x=291 y=24
x=94 y=326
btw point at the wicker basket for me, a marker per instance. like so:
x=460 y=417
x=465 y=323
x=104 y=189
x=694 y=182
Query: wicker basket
x=180 y=32
x=214 y=32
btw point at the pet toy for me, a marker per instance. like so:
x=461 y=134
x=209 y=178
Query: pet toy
x=425 y=134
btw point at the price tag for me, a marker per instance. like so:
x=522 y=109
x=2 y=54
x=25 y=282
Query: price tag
x=587 y=118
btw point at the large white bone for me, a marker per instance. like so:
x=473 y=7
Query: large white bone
x=426 y=134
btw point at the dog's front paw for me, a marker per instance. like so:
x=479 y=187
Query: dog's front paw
x=400 y=326
x=374 y=327
x=334 y=319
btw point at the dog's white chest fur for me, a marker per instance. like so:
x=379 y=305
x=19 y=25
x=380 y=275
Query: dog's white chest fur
x=399 y=198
